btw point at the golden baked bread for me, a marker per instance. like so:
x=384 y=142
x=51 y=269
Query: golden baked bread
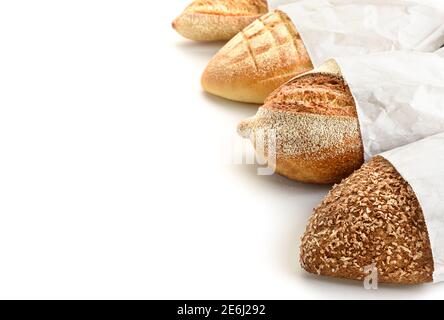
x=317 y=131
x=372 y=217
x=213 y=20
x=258 y=60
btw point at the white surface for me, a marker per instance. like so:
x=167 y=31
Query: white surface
x=420 y=164
x=338 y=28
x=397 y=103
x=112 y=182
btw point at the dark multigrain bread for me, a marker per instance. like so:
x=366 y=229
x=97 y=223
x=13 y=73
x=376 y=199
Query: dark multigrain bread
x=214 y=20
x=371 y=217
x=317 y=130
x=258 y=60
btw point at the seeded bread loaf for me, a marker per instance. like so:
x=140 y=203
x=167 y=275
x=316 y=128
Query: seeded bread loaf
x=258 y=60
x=213 y=20
x=372 y=217
x=315 y=121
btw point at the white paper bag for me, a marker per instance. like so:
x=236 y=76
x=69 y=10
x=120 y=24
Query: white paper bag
x=335 y=28
x=273 y=4
x=399 y=97
x=421 y=164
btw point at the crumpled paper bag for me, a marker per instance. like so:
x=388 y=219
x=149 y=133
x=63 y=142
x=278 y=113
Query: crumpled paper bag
x=421 y=164
x=335 y=28
x=399 y=97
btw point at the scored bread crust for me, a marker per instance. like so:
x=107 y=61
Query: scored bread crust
x=372 y=217
x=257 y=60
x=317 y=129
x=216 y=20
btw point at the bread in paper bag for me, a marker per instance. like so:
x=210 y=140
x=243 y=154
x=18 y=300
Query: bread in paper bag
x=388 y=214
x=291 y=40
x=327 y=121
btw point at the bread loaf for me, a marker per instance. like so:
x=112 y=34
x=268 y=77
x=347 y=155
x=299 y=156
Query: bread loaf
x=213 y=20
x=256 y=61
x=317 y=131
x=372 y=217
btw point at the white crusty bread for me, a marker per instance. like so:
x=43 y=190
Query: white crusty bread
x=317 y=131
x=214 y=20
x=372 y=217
x=258 y=60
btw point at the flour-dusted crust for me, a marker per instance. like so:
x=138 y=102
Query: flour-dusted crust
x=371 y=217
x=258 y=60
x=316 y=125
x=214 y=20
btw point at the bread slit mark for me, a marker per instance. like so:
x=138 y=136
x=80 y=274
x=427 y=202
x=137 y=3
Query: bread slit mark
x=297 y=43
x=273 y=36
x=250 y=50
x=294 y=35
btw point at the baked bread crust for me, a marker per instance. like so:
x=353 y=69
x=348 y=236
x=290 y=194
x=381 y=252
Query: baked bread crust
x=257 y=60
x=215 y=20
x=371 y=217
x=317 y=130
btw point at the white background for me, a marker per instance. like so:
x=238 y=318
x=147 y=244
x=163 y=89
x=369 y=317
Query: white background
x=114 y=179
